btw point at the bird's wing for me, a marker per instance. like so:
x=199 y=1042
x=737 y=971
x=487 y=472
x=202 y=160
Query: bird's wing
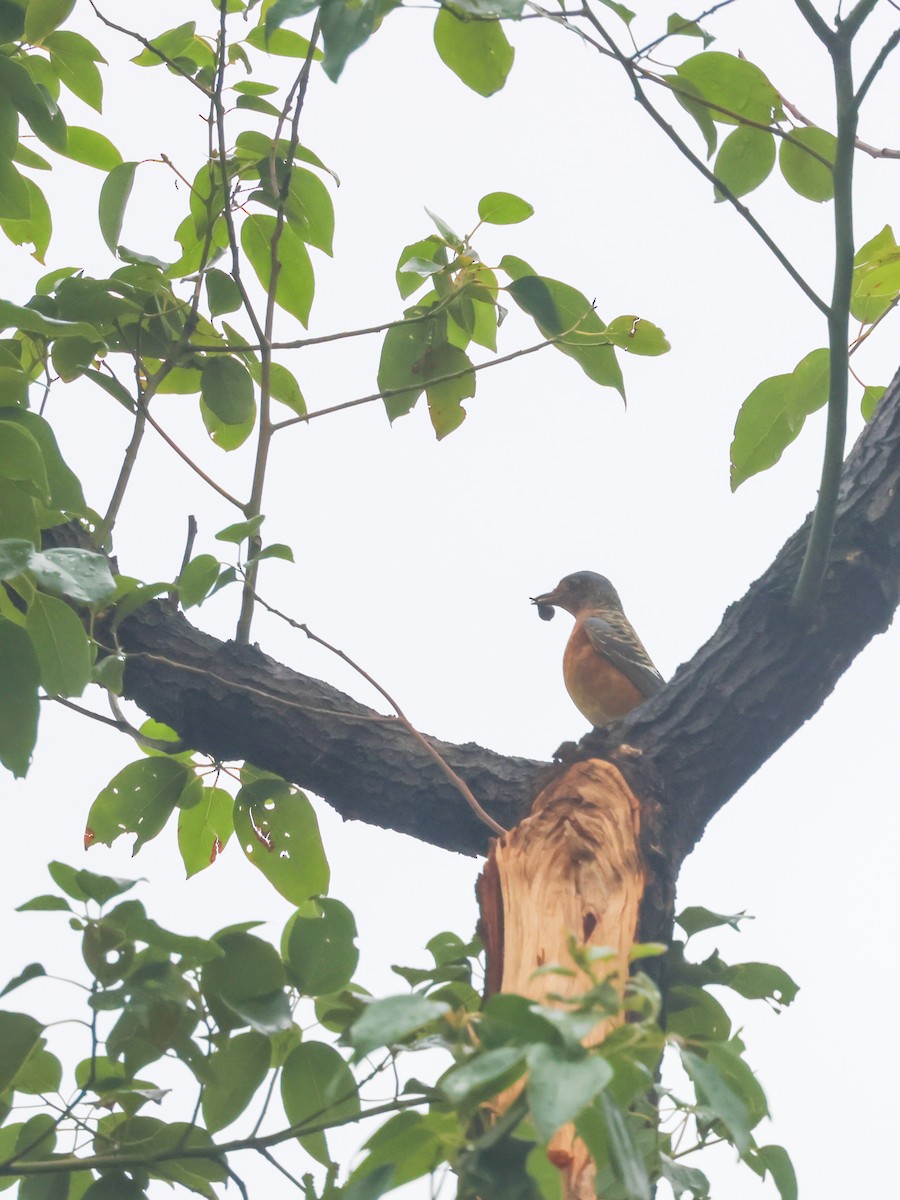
x=613 y=637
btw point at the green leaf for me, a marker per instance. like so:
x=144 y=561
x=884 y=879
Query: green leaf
x=113 y=200
x=734 y=84
x=227 y=389
x=240 y=531
x=868 y=404
x=226 y=436
x=636 y=335
x=683 y=1179
x=444 y=397
x=806 y=174
x=762 y=981
x=232 y=1076
x=320 y=950
x=171 y=44
x=745 y=159
x=14 y=316
x=73 y=57
x=34 y=103
x=296 y=283
x=310 y=210
x=715 y=1093
x=691 y=100
x=283 y=387
x=15 y=555
x=773 y=415
x=79 y=574
x=19 y=1034
x=431 y=250
x=483 y=1076
x=692 y=1012
x=624 y=1154
x=248 y=969
x=392 y=1020
x=222 y=292
x=43 y=16
x=317 y=1087
x=686 y=27
x=560 y=1085
x=94 y=150
x=695 y=919
x=61 y=644
x=778 y=1164
x=41 y=1072
x=248 y=984
x=345 y=27
x=503 y=208
x=283 y=10
x=196 y=579
x=204 y=830
x=407 y=1146
x=18 y=513
x=478 y=52
x=12 y=21
x=282 y=42
x=21 y=460
x=15 y=202
x=279 y=834
x=37 y=228
x=139 y=800
x=19 y=705
x=403 y=369
x=561 y=311
x=33 y=970
x=85 y=885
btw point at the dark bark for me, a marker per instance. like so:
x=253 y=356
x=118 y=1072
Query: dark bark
x=686 y=752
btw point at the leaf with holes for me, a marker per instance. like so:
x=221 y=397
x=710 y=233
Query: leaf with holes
x=279 y=833
x=139 y=800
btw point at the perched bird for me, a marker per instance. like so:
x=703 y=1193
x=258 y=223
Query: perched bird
x=605 y=666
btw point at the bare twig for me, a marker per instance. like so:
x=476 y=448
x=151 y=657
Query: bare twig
x=461 y=786
x=864 y=147
x=494 y=362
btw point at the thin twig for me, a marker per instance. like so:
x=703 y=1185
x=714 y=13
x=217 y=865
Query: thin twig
x=148 y=45
x=115 y=503
x=670 y=132
x=185 y=458
x=857 y=342
x=495 y=362
x=880 y=59
x=642 y=53
x=864 y=147
x=297 y=96
x=461 y=786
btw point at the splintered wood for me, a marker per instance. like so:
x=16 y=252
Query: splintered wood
x=573 y=867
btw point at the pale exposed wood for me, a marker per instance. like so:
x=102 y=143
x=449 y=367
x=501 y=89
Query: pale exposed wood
x=571 y=868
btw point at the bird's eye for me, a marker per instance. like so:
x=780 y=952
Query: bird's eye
x=546 y=612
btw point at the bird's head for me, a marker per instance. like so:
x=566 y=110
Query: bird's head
x=584 y=589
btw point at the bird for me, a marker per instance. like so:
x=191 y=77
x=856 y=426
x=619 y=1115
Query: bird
x=606 y=669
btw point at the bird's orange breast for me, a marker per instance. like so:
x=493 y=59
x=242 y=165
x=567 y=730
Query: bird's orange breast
x=599 y=690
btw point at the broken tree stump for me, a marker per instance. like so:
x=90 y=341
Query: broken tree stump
x=573 y=867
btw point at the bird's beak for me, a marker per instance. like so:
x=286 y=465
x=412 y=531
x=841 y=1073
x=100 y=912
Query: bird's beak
x=545 y=605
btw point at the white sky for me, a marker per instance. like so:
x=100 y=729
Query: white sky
x=418 y=558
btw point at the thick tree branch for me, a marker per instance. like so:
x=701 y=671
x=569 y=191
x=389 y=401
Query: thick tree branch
x=759 y=678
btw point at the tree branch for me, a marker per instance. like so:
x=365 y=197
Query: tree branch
x=744 y=693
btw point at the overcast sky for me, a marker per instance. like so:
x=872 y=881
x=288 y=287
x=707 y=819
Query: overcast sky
x=418 y=558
